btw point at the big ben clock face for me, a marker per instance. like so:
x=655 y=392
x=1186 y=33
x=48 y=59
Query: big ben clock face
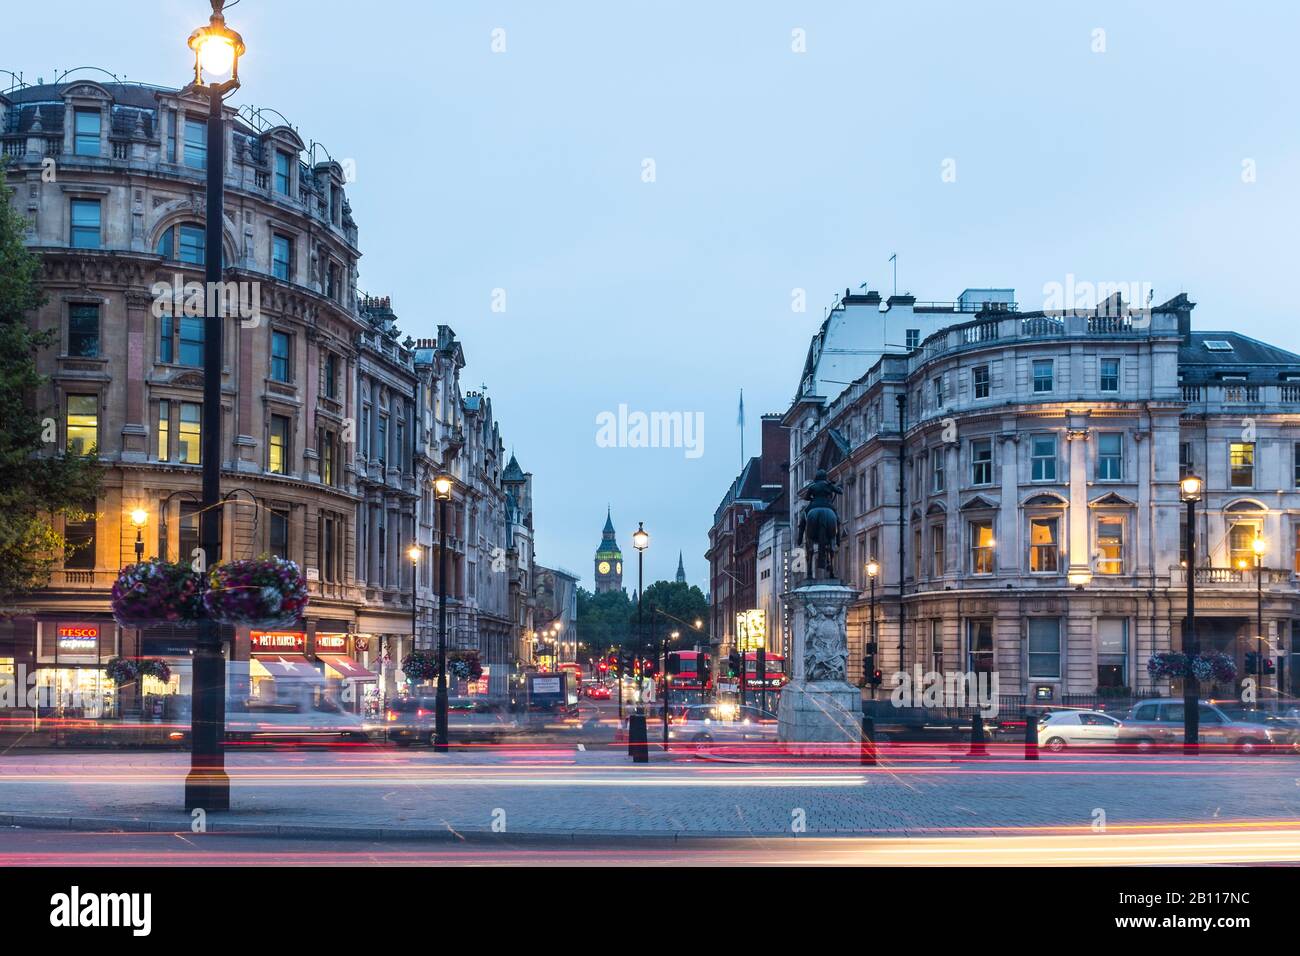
x=619 y=567
x=603 y=567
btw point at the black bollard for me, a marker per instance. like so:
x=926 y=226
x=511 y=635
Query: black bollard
x=1031 y=736
x=977 y=748
x=868 y=758
x=638 y=746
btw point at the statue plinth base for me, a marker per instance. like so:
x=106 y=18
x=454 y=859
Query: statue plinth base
x=819 y=705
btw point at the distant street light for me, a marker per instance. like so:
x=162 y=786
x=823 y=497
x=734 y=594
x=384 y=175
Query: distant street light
x=1190 y=489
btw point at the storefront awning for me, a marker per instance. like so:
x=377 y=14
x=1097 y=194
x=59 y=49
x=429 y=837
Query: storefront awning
x=288 y=667
x=345 y=667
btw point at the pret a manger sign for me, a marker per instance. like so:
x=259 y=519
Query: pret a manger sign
x=277 y=642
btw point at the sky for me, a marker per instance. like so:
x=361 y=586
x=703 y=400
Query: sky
x=646 y=187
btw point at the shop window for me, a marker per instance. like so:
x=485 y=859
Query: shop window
x=1112 y=652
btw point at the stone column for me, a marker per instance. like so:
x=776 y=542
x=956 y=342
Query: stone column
x=819 y=705
x=1080 y=556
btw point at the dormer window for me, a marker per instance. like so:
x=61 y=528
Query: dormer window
x=282 y=172
x=86 y=133
x=1218 y=345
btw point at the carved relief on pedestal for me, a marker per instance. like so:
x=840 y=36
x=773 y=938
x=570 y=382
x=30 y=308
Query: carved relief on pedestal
x=825 y=654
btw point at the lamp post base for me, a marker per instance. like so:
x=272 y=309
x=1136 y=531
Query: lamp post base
x=207 y=790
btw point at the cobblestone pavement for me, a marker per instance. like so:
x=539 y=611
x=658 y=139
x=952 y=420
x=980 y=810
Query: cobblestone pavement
x=563 y=789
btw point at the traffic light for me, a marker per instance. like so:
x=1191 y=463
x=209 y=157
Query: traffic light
x=877 y=677
x=733 y=664
x=636 y=667
x=1252 y=662
x=1270 y=666
x=674 y=664
x=702 y=669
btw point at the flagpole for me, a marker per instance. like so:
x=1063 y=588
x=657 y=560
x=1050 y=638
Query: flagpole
x=741 y=422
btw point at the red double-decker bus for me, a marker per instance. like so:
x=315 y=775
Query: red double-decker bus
x=690 y=676
x=775 y=678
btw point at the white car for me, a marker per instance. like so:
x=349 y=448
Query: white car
x=1077 y=728
x=706 y=723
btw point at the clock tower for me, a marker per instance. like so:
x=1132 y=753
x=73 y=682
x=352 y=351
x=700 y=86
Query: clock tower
x=609 y=560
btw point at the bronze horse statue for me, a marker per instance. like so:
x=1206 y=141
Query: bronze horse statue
x=819 y=525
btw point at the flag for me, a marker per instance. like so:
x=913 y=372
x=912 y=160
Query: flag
x=740 y=418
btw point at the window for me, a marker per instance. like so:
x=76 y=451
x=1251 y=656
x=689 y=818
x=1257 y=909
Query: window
x=1042 y=375
x=188 y=540
x=171 y=136
x=1045 y=648
x=282 y=173
x=83 y=424
x=190 y=340
x=86 y=130
x=79 y=536
x=913 y=339
x=331 y=375
x=936 y=467
x=184 y=243
x=278 y=447
x=1044 y=548
x=1185 y=466
x=918 y=554
x=1042 y=456
x=1241 y=464
x=278 y=533
x=282 y=257
x=328 y=549
x=381 y=441
x=938 y=392
x=938 y=564
x=1109 y=375
x=1241 y=551
x=936 y=647
x=189 y=439
x=333 y=276
x=981 y=461
x=327 y=458
x=1112 y=652
x=1296 y=560
x=1110 y=456
x=85 y=224
x=875 y=486
x=979 y=645
x=981 y=547
x=980 y=380
x=83 y=331
x=280 y=357
x=365 y=431
x=1217 y=345
x=164 y=427
x=1110 y=546
x=196 y=143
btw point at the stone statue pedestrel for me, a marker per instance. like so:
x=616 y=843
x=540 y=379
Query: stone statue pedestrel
x=819 y=705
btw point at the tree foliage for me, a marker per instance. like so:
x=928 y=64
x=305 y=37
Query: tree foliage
x=36 y=487
x=609 y=619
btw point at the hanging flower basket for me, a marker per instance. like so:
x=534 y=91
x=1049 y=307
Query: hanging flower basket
x=1209 y=667
x=465 y=665
x=264 y=593
x=420 y=666
x=121 y=670
x=157 y=592
x=156 y=668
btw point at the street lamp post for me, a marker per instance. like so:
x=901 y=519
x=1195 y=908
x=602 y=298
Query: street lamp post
x=442 y=491
x=1259 y=546
x=1190 y=490
x=413 y=552
x=873 y=569
x=640 y=541
x=216 y=56
x=139 y=517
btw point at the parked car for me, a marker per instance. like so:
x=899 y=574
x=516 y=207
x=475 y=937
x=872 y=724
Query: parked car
x=303 y=717
x=598 y=692
x=1077 y=728
x=707 y=723
x=1159 y=723
x=412 y=719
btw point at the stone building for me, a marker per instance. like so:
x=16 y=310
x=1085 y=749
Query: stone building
x=1016 y=476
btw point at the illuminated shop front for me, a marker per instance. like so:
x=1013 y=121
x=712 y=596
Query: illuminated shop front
x=70 y=676
x=348 y=681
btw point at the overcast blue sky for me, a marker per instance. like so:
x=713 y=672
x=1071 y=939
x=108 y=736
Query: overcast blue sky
x=774 y=170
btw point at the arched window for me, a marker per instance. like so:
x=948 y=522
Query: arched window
x=186 y=242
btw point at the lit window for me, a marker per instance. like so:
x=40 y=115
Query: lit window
x=190 y=434
x=1044 y=552
x=1241 y=464
x=278 y=452
x=85 y=224
x=981 y=547
x=1110 y=546
x=83 y=424
x=1241 y=550
x=164 y=427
